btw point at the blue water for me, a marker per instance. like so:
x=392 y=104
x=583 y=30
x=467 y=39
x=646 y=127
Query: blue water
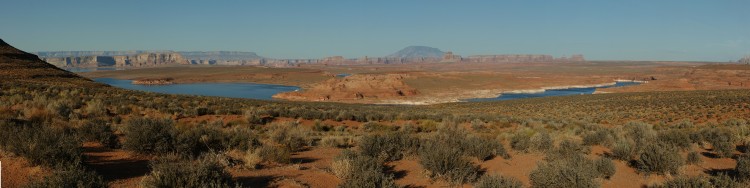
x=234 y=90
x=551 y=92
x=343 y=75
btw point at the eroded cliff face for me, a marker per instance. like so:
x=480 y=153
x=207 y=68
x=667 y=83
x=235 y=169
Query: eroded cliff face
x=137 y=60
x=150 y=59
x=355 y=88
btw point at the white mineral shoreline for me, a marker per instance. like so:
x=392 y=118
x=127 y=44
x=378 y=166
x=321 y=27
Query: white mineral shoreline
x=495 y=93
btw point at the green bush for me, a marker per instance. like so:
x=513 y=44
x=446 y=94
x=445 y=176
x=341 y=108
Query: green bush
x=576 y=171
x=445 y=162
x=495 y=181
x=173 y=172
x=71 y=176
x=99 y=131
x=659 y=158
x=150 y=136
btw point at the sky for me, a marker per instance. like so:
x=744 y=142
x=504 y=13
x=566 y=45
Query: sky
x=679 y=30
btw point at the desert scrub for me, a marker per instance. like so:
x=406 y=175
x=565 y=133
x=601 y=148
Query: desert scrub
x=496 y=181
x=289 y=135
x=442 y=161
x=605 y=167
x=389 y=146
x=149 y=136
x=693 y=158
x=274 y=154
x=721 y=139
x=174 y=172
x=743 y=167
x=70 y=176
x=41 y=144
x=600 y=137
x=576 y=171
x=96 y=108
x=100 y=131
x=623 y=150
x=639 y=133
x=358 y=170
x=520 y=141
x=678 y=138
x=682 y=181
x=483 y=148
x=567 y=149
x=659 y=158
x=541 y=142
x=337 y=141
x=194 y=140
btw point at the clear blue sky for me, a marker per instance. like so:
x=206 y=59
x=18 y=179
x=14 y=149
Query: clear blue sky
x=713 y=30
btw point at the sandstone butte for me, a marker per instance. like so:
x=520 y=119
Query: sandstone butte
x=356 y=87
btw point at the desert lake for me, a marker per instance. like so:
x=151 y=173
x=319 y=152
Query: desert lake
x=552 y=92
x=233 y=90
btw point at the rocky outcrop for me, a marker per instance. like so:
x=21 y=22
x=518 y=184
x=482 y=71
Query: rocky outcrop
x=85 y=61
x=521 y=58
x=150 y=59
x=159 y=81
x=745 y=60
x=353 y=88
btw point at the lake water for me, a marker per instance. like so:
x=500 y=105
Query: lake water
x=343 y=75
x=551 y=92
x=234 y=90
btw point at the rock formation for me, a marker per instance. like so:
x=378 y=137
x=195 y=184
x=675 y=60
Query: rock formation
x=745 y=60
x=150 y=59
x=137 y=60
x=355 y=87
x=159 y=81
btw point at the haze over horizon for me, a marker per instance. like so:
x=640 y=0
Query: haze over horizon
x=689 y=30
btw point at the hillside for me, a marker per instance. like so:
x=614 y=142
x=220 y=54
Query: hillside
x=418 y=52
x=19 y=66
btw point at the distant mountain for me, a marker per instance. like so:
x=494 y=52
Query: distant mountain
x=418 y=52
